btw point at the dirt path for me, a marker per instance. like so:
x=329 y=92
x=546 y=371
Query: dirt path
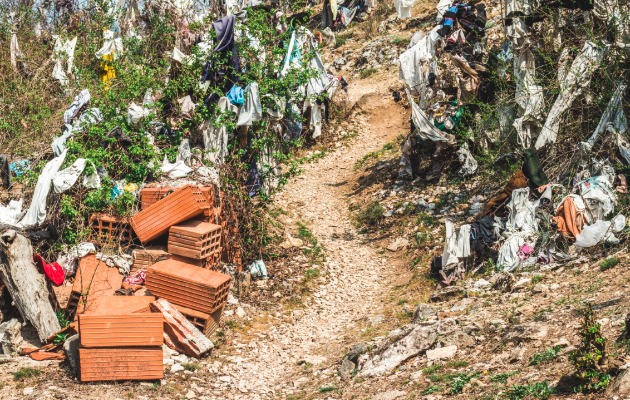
x=356 y=276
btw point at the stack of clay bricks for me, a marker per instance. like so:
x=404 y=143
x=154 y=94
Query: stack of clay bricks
x=117 y=347
x=195 y=239
x=188 y=286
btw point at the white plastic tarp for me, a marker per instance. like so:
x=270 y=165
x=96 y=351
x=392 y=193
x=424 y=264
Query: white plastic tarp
x=12 y=213
x=178 y=169
x=36 y=213
x=111 y=46
x=403 y=8
x=424 y=128
x=578 y=77
x=136 y=113
x=66 y=178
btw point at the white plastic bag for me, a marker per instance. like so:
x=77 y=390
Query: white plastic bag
x=595 y=233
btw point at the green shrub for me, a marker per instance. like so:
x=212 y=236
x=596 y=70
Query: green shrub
x=539 y=390
x=366 y=73
x=372 y=214
x=545 y=356
x=26 y=372
x=609 y=263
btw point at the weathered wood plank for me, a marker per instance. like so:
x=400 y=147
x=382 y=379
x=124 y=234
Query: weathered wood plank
x=25 y=284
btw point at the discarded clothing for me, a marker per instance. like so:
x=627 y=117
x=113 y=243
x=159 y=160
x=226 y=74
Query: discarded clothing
x=79 y=101
x=50 y=233
x=579 y=77
x=188 y=107
x=36 y=213
x=484 y=227
x=442 y=6
x=455 y=248
x=525 y=251
x=569 y=218
x=61 y=50
x=52 y=270
x=522 y=215
x=416 y=59
x=599 y=195
x=251 y=111
x=236 y=95
x=224 y=29
x=533 y=170
x=139 y=278
x=425 y=130
x=497 y=206
x=181 y=58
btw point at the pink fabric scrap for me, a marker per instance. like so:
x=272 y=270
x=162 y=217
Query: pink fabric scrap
x=138 y=279
x=525 y=251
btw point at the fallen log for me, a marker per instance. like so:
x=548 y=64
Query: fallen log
x=26 y=285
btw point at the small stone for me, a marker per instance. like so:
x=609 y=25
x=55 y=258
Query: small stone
x=226 y=379
x=168 y=361
x=28 y=390
x=482 y=284
x=298 y=314
x=517 y=354
x=228 y=313
x=540 y=288
x=441 y=353
x=416 y=376
x=240 y=312
x=423 y=311
x=445 y=293
x=554 y=286
x=356 y=351
x=375 y=320
x=231 y=299
x=191 y=395
x=521 y=284
x=562 y=343
x=391 y=395
x=398 y=244
x=300 y=382
x=176 y=368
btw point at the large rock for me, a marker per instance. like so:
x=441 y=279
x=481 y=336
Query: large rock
x=445 y=293
x=356 y=351
x=391 y=395
x=10 y=336
x=443 y=353
x=402 y=344
x=346 y=369
x=457 y=338
x=621 y=385
x=526 y=332
x=398 y=244
x=423 y=311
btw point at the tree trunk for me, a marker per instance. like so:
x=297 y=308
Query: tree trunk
x=25 y=284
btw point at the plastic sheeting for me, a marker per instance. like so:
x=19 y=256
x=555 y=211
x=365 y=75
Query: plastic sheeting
x=598 y=232
x=123 y=263
x=251 y=110
x=79 y=101
x=12 y=213
x=70 y=260
x=111 y=47
x=469 y=164
x=36 y=213
x=66 y=178
x=508 y=254
x=414 y=60
x=188 y=107
x=424 y=128
x=599 y=195
x=136 y=113
x=455 y=247
x=522 y=215
x=63 y=47
x=176 y=170
x=578 y=77
x=215 y=138
x=403 y=8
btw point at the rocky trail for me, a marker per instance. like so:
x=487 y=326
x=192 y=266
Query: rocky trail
x=356 y=277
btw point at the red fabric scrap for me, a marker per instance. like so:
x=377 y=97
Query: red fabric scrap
x=52 y=270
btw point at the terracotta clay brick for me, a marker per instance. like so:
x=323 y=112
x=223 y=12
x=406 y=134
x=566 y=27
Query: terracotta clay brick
x=121 y=330
x=144 y=258
x=150 y=196
x=93 y=279
x=186 y=285
x=109 y=230
x=112 y=305
x=120 y=363
x=183 y=335
x=206 y=323
x=194 y=239
x=179 y=206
